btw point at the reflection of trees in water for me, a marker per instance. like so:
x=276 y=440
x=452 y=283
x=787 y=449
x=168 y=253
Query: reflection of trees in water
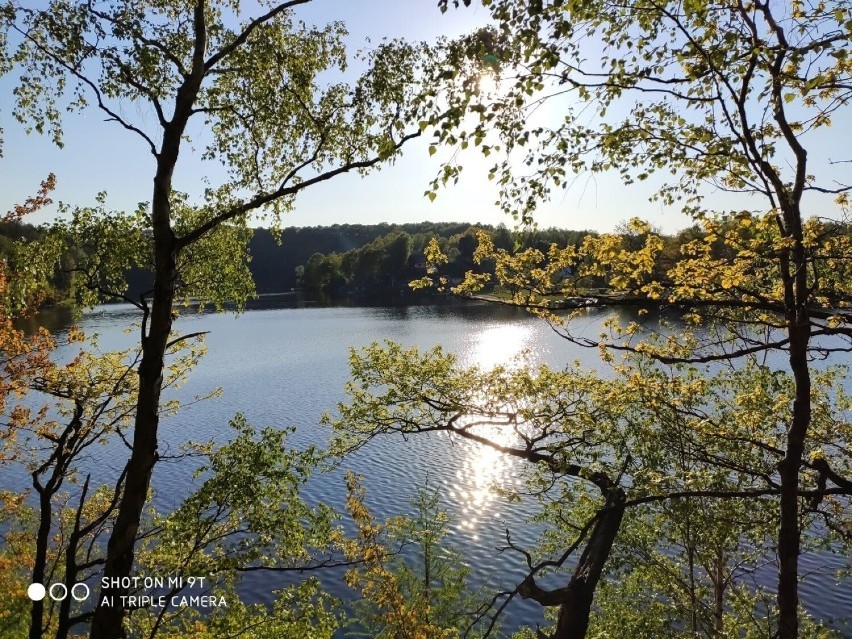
x=53 y=318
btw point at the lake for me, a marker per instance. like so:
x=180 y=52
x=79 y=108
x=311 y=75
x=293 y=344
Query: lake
x=284 y=366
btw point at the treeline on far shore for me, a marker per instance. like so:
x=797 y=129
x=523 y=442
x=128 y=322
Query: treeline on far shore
x=366 y=260
x=362 y=260
x=394 y=256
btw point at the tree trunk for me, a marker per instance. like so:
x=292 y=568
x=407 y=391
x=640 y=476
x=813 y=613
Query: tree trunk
x=794 y=269
x=59 y=460
x=575 y=600
x=573 y=621
x=63 y=621
x=789 y=534
x=107 y=621
x=40 y=561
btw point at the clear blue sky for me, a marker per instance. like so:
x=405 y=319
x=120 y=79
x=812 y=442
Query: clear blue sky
x=100 y=156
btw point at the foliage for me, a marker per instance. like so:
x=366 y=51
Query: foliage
x=725 y=272
x=64 y=406
x=268 y=89
x=680 y=445
x=413 y=583
x=297 y=611
x=22 y=356
x=390 y=261
x=380 y=266
x=718 y=93
x=16 y=561
x=246 y=511
x=687 y=570
x=727 y=94
x=149 y=56
x=272 y=263
x=246 y=516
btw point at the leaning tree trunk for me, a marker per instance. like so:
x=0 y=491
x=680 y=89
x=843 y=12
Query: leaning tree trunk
x=573 y=620
x=59 y=460
x=575 y=600
x=109 y=614
x=40 y=560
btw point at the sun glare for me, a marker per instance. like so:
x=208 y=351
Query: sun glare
x=499 y=345
x=488 y=84
x=482 y=468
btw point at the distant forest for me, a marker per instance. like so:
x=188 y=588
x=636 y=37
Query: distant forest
x=381 y=260
x=366 y=261
x=362 y=260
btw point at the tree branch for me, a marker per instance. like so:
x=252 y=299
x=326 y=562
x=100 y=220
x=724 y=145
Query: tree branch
x=283 y=191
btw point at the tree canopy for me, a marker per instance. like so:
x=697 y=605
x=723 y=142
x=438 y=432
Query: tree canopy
x=723 y=96
x=280 y=116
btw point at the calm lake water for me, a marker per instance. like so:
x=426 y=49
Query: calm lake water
x=283 y=366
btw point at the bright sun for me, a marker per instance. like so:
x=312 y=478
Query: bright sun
x=488 y=84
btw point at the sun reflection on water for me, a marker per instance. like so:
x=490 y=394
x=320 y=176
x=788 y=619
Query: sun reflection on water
x=482 y=469
x=499 y=344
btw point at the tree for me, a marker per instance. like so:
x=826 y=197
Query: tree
x=246 y=515
x=255 y=82
x=63 y=398
x=412 y=580
x=60 y=404
x=23 y=359
x=322 y=272
x=397 y=249
x=90 y=402
x=722 y=93
x=650 y=448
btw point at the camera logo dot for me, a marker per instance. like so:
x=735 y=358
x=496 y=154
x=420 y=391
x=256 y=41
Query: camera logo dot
x=36 y=592
x=58 y=592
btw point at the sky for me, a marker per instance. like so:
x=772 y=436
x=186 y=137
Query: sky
x=100 y=156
